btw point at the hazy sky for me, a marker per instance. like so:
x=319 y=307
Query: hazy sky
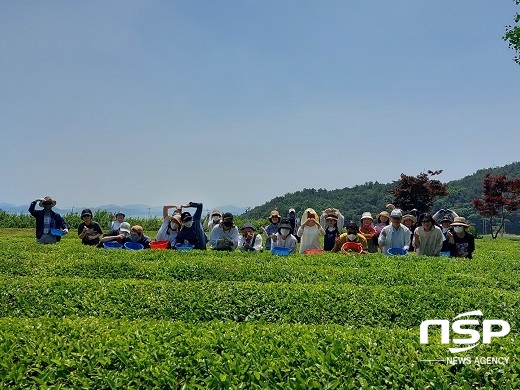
x=237 y=102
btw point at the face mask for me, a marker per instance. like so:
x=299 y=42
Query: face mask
x=285 y=232
x=174 y=226
x=134 y=237
x=188 y=224
x=458 y=229
x=228 y=224
x=352 y=237
x=215 y=219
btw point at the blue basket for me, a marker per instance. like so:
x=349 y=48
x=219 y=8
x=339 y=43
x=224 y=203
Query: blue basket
x=57 y=232
x=281 y=251
x=133 y=246
x=397 y=252
x=112 y=245
x=445 y=254
x=185 y=247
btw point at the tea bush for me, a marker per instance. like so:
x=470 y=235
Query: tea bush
x=74 y=316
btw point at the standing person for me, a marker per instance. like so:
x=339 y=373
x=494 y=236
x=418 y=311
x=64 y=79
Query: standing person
x=410 y=222
x=137 y=235
x=224 y=236
x=272 y=228
x=294 y=222
x=383 y=220
x=89 y=231
x=331 y=231
x=284 y=238
x=212 y=220
x=310 y=231
x=395 y=235
x=427 y=237
x=368 y=230
x=462 y=242
x=46 y=220
x=352 y=235
x=249 y=240
x=191 y=229
x=170 y=226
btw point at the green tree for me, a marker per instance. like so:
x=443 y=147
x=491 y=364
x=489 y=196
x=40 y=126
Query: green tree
x=512 y=36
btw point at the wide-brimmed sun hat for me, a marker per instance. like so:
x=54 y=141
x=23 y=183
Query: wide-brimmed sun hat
x=47 y=200
x=460 y=221
x=367 y=215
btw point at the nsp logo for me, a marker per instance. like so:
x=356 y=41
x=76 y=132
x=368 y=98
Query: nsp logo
x=489 y=330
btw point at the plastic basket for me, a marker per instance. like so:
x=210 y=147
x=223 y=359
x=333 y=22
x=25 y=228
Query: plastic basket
x=445 y=254
x=352 y=247
x=397 y=252
x=281 y=251
x=313 y=251
x=57 y=232
x=133 y=246
x=185 y=247
x=112 y=245
x=159 y=245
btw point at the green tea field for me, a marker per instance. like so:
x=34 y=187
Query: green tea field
x=80 y=317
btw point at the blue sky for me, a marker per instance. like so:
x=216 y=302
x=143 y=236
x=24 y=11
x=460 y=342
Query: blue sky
x=237 y=102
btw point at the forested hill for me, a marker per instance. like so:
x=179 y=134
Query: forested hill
x=373 y=196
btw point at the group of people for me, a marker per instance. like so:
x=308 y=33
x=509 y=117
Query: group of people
x=444 y=233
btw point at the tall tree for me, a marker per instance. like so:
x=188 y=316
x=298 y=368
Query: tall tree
x=500 y=196
x=418 y=192
x=513 y=36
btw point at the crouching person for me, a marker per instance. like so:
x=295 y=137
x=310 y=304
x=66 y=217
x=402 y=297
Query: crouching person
x=249 y=240
x=137 y=236
x=284 y=238
x=224 y=236
x=118 y=235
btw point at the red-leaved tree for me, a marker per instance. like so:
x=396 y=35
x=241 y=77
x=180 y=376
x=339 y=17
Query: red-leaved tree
x=500 y=196
x=418 y=192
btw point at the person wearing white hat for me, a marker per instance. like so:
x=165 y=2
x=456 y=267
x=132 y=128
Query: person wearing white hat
x=118 y=235
x=368 y=230
x=395 y=235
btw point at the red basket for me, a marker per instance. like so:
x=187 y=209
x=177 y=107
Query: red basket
x=162 y=244
x=313 y=251
x=350 y=247
x=368 y=231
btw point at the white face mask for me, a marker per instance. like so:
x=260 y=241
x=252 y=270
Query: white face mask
x=285 y=232
x=458 y=229
x=188 y=224
x=174 y=226
x=352 y=237
x=215 y=219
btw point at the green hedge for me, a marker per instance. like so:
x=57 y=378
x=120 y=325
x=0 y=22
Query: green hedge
x=98 y=353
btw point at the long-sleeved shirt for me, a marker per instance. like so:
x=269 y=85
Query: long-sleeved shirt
x=253 y=246
x=310 y=237
x=289 y=242
x=394 y=238
x=218 y=233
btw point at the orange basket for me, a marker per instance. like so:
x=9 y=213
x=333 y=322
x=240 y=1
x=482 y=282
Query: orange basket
x=313 y=251
x=352 y=247
x=367 y=231
x=159 y=245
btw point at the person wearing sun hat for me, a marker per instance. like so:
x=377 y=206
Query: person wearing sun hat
x=310 y=231
x=284 y=238
x=118 y=235
x=410 y=221
x=368 y=230
x=191 y=230
x=46 y=220
x=294 y=221
x=212 y=220
x=332 y=222
x=272 y=228
x=119 y=219
x=462 y=242
x=249 y=240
